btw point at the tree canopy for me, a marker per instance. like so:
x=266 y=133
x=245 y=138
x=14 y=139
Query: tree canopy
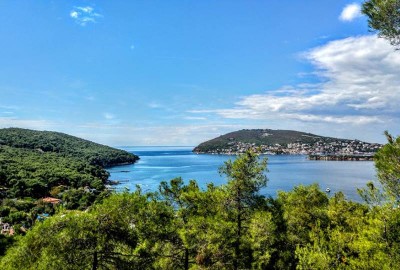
x=65 y=145
x=384 y=17
x=387 y=163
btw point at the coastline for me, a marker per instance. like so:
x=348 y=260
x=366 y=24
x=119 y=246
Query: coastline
x=322 y=157
x=285 y=171
x=342 y=157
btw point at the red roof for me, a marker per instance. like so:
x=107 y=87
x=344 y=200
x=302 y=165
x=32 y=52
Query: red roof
x=51 y=200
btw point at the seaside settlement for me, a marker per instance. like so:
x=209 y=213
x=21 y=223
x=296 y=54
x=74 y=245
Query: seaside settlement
x=333 y=150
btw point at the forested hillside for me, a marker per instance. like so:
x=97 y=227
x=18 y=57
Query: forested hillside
x=66 y=145
x=261 y=137
x=282 y=142
x=39 y=164
x=27 y=173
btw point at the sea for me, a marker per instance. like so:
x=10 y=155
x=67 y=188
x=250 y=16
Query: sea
x=158 y=164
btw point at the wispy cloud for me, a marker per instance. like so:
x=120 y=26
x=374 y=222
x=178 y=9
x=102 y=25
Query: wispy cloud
x=112 y=133
x=154 y=105
x=8 y=113
x=360 y=86
x=84 y=15
x=195 y=118
x=350 y=12
x=152 y=135
x=38 y=124
x=8 y=107
x=109 y=116
x=160 y=106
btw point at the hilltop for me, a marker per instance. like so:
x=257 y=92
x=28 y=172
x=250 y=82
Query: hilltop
x=65 y=145
x=282 y=142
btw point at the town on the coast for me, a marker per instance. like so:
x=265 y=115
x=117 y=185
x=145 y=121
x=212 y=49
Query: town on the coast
x=333 y=150
x=288 y=142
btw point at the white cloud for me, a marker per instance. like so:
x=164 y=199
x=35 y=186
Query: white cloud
x=85 y=9
x=84 y=15
x=74 y=14
x=361 y=86
x=357 y=120
x=350 y=12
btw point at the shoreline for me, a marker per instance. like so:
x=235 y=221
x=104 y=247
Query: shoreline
x=322 y=157
x=341 y=157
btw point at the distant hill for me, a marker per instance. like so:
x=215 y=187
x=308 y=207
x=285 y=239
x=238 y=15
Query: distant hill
x=66 y=145
x=280 y=141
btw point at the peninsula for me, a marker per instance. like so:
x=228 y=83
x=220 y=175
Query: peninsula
x=287 y=142
x=65 y=145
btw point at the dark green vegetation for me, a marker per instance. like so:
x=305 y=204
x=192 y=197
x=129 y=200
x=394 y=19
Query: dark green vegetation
x=262 y=136
x=384 y=17
x=388 y=166
x=65 y=145
x=35 y=164
x=227 y=227
x=259 y=137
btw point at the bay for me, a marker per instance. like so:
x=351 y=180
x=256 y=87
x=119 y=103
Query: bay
x=158 y=164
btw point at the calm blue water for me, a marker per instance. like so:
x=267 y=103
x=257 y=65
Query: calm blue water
x=164 y=163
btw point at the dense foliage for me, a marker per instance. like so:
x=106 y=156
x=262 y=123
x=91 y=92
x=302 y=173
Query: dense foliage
x=65 y=145
x=26 y=173
x=384 y=17
x=388 y=166
x=226 y=227
x=36 y=164
x=26 y=176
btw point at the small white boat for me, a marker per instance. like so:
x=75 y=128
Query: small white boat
x=327 y=190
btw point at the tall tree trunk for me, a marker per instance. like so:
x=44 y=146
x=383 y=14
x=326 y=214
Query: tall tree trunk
x=237 y=242
x=238 y=232
x=186 y=259
x=95 y=261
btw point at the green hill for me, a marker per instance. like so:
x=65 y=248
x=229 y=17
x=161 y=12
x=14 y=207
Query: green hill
x=282 y=142
x=65 y=145
x=39 y=164
x=260 y=137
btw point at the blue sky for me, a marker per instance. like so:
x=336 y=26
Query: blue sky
x=181 y=72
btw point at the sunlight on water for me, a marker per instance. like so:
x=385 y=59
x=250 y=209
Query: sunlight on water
x=158 y=164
